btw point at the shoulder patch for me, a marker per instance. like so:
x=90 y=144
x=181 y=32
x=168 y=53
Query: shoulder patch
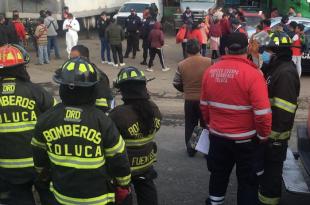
x=8 y=88
x=73 y=114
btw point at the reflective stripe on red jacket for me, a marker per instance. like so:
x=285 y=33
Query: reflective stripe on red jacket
x=234 y=99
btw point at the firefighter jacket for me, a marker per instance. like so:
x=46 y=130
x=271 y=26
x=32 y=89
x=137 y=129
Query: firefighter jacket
x=22 y=102
x=84 y=151
x=141 y=149
x=283 y=87
x=104 y=97
x=234 y=99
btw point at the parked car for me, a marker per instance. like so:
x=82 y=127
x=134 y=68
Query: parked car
x=252 y=20
x=138 y=6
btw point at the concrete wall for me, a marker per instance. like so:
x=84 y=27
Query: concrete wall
x=2 y=6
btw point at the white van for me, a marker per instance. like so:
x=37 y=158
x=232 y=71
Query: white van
x=139 y=6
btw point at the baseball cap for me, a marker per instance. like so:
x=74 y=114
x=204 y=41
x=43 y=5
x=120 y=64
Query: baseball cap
x=237 y=42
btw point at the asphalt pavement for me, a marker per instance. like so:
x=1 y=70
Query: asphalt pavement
x=182 y=180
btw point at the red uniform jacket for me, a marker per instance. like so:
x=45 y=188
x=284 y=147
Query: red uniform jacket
x=196 y=34
x=234 y=100
x=20 y=30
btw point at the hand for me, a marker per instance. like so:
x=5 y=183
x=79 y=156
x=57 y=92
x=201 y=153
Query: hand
x=121 y=194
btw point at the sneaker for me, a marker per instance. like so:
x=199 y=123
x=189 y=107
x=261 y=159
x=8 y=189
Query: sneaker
x=110 y=63
x=165 y=69
x=115 y=65
x=143 y=63
x=122 y=64
x=149 y=70
x=47 y=62
x=104 y=62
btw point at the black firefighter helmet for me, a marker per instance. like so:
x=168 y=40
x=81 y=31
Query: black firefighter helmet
x=77 y=72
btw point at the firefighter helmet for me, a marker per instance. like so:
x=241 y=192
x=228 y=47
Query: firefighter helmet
x=130 y=74
x=13 y=55
x=77 y=72
x=24 y=52
x=279 y=39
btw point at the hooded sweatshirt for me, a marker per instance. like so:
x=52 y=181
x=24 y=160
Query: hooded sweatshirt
x=52 y=26
x=156 y=36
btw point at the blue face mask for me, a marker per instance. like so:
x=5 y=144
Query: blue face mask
x=266 y=56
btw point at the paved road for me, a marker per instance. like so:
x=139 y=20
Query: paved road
x=182 y=180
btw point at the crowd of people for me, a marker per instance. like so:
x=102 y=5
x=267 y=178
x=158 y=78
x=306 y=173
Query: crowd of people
x=86 y=151
x=212 y=31
x=149 y=29
x=247 y=100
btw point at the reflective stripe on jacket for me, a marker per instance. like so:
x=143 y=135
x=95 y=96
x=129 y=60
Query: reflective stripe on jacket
x=83 y=147
x=234 y=100
x=283 y=87
x=21 y=103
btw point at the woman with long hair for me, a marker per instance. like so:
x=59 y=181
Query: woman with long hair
x=138 y=119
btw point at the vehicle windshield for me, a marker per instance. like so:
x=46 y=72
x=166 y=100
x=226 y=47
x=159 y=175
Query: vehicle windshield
x=253 y=20
x=207 y=1
x=138 y=7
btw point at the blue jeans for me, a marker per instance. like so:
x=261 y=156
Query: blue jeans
x=42 y=54
x=52 y=43
x=105 y=47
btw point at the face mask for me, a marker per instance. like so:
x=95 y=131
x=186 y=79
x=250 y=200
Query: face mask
x=266 y=57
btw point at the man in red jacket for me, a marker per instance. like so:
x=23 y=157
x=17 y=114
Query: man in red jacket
x=236 y=109
x=20 y=28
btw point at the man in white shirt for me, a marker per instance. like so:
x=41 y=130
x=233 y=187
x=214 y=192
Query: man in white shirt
x=72 y=27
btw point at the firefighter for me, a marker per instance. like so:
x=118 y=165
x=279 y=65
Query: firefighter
x=79 y=145
x=138 y=119
x=284 y=87
x=104 y=100
x=133 y=25
x=22 y=102
x=236 y=110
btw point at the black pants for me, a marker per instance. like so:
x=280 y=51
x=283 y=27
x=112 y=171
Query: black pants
x=21 y=194
x=223 y=155
x=145 y=188
x=204 y=50
x=117 y=51
x=214 y=55
x=146 y=48
x=271 y=181
x=192 y=117
x=132 y=44
x=223 y=43
x=184 y=49
x=159 y=52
